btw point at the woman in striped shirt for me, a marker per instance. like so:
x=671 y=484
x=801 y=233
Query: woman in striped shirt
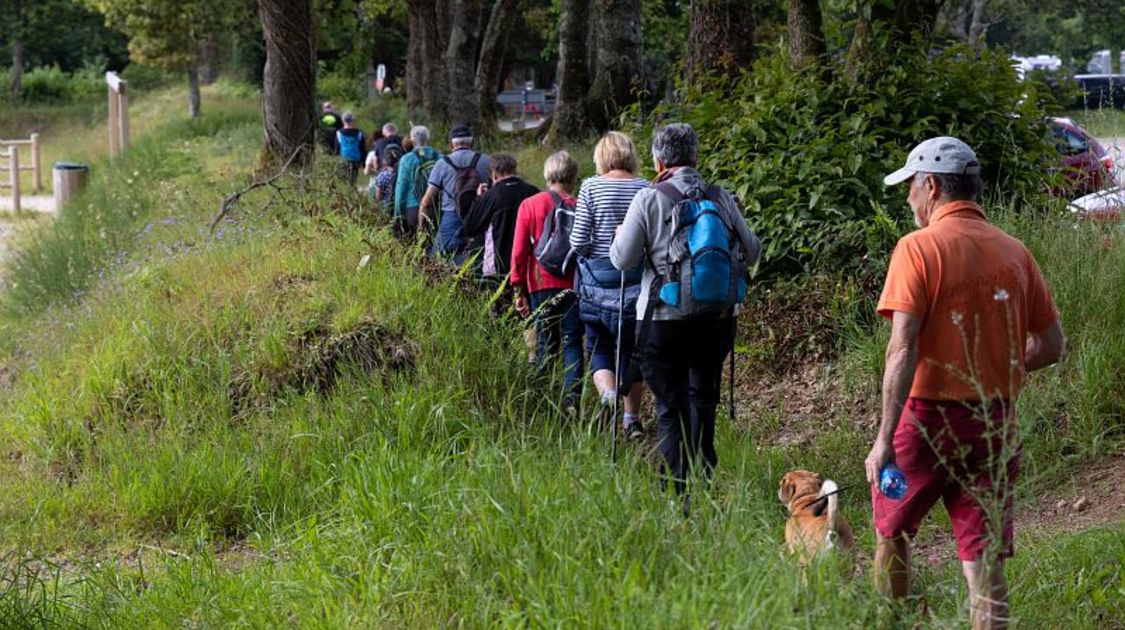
x=602 y=203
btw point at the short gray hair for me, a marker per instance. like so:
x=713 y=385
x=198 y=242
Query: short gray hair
x=465 y=142
x=348 y=117
x=390 y=129
x=503 y=164
x=675 y=144
x=561 y=168
x=420 y=135
x=957 y=187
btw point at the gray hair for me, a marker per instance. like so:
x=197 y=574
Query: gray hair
x=503 y=164
x=675 y=144
x=420 y=135
x=955 y=186
x=390 y=129
x=465 y=142
x=348 y=117
x=561 y=168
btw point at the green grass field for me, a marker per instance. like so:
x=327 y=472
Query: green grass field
x=247 y=429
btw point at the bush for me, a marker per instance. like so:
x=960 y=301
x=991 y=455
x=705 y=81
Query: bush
x=807 y=155
x=50 y=85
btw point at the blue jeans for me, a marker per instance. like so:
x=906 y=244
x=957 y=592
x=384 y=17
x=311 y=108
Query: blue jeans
x=450 y=237
x=558 y=327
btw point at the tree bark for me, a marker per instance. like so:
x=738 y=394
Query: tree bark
x=805 y=25
x=493 y=45
x=721 y=39
x=978 y=25
x=884 y=28
x=415 y=56
x=460 y=66
x=433 y=47
x=620 y=71
x=16 y=85
x=569 y=119
x=289 y=80
x=193 y=91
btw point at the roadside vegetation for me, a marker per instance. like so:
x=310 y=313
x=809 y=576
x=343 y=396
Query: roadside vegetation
x=249 y=427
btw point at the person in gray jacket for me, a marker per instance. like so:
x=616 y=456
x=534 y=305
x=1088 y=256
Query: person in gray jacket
x=681 y=359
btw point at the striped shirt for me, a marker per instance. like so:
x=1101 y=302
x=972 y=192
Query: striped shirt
x=602 y=204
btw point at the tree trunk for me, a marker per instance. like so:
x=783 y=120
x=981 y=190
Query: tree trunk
x=460 y=66
x=433 y=47
x=721 y=39
x=492 y=48
x=620 y=71
x=569 y=119
x=16 y=85
x=806 y=34
x=882 y=29
x=978 y=26
x=415 y=56
x=289 y=80
x=193 y=90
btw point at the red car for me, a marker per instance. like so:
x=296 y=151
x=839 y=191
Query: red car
x=1087 y=164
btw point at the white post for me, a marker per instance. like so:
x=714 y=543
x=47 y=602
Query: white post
x=112 y=122
x=123 y=114
x=35 y=164
x=14 y=172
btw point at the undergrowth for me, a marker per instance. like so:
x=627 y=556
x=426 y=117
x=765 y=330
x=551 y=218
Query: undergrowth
x=252 y=428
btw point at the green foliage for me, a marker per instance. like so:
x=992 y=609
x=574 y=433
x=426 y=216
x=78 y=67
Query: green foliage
x=807 y=155
x=167 y=33
x=52 y=86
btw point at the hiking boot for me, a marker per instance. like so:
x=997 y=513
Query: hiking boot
x=634 y=431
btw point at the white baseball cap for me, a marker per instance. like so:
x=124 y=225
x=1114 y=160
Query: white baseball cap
x=937 y=155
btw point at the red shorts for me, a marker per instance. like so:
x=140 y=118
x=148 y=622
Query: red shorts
x=948 y=451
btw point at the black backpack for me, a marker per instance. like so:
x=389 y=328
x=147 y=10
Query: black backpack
x=552 y=248
x=465 y=184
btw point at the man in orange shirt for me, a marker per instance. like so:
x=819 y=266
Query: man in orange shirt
x=970 y=316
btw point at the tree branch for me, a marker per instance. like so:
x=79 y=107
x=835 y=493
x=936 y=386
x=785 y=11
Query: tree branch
x=233 y=198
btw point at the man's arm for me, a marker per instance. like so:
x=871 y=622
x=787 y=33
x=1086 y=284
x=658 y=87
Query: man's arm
x=629 y=242
x=427 y=201
x=402 y=186
x=479 y=216
x=898 y=376
x=1045 y=348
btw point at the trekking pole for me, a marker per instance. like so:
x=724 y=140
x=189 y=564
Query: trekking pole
x=617 y=376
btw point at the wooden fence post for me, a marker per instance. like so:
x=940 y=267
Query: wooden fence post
x=112 y=122
x=14 y=172
x=123 y=114
x=36 y=168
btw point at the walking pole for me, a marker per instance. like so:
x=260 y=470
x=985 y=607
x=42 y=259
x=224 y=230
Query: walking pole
x=617 y=376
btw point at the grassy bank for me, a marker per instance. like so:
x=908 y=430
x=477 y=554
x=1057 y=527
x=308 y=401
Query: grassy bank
x=252 y=429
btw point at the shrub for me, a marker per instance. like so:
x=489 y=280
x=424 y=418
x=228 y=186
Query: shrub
x=806 y=155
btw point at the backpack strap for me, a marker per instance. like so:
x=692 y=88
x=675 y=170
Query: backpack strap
x=556 y=198
x=473 y=163
x=670 y=191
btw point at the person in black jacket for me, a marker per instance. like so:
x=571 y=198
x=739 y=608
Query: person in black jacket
x=492 y=218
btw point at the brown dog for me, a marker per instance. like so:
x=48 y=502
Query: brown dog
x=814 y=524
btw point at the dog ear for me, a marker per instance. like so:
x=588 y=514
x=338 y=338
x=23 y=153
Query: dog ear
x=786 y=489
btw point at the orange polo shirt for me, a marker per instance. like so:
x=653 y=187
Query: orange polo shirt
x=979 y=293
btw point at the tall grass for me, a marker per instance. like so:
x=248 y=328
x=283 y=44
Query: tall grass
x=173 y=445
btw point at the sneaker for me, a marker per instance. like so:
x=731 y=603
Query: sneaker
x=634 y=431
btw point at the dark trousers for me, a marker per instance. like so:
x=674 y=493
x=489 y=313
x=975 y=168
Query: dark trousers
x=559 y=331
x=682 y=362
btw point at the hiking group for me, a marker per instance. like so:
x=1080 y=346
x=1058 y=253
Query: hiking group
x=643 y=281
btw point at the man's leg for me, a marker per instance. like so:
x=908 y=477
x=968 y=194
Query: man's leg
x=988 y=594
x=892 y=565
x=710 y=345
x=666 y=372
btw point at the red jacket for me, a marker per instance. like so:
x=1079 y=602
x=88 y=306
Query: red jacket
x=527 y=273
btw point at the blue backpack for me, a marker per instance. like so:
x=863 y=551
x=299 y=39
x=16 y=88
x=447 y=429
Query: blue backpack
x=351 y=147
x=705 y=272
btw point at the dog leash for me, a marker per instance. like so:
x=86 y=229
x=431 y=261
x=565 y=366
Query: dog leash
x=836 y=491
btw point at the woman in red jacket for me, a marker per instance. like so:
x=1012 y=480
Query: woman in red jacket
x=551 y=298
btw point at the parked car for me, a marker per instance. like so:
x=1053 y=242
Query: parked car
x=1104 y=205
x=1087 y=165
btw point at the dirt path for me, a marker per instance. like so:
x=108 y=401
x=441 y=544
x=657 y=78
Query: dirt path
x=30 y=203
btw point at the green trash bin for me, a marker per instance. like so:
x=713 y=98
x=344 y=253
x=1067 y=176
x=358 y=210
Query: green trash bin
x=67 y=178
